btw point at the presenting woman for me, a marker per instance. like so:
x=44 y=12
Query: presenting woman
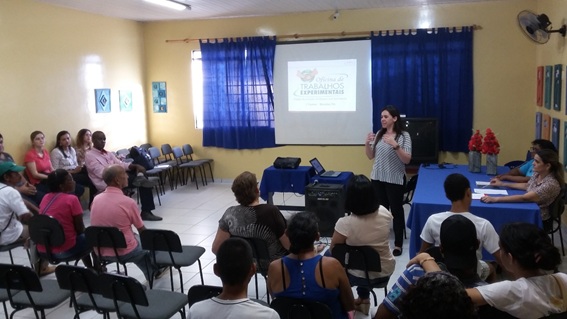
x=543 y=187
x=391 y=150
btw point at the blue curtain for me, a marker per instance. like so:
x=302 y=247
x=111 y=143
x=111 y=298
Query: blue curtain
x=238 y=102
x=427 y=74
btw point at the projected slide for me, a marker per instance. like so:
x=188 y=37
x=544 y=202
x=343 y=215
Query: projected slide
x=322 y=86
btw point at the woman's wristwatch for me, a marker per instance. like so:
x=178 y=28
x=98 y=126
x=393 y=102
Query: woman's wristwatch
x=397 y=147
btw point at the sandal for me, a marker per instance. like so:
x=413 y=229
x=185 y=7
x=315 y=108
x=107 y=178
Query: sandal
x=397 y=251
x=362 y=306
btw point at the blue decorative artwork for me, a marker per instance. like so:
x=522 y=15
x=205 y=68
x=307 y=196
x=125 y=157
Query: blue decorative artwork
x=557 y=86
x=555 y=127
x=547 y=88
x=102 y=100
x=125 y=100
x=538 y=125
x=159 y=97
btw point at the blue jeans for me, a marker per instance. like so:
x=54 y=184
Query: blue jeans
x=139 y=257
x=361 y=284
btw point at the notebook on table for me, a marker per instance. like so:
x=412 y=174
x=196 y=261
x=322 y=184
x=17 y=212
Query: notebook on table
x=321 y=171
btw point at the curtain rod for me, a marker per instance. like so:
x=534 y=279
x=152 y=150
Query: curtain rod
x=331 y=34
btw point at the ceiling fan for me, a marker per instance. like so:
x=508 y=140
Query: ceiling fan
x=537 y=27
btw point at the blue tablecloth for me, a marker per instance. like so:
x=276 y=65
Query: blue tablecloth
x=285 y=180
x=429 y=198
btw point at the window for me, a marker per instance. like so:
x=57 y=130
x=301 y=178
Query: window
x=197 y=87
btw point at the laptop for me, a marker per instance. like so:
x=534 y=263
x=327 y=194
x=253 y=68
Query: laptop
x=321 y=171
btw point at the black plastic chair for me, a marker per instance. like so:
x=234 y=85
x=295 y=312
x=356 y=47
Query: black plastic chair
x=106 y=237
x=188 y=152
x=166 y=251
x=3 y=298
x=25 y=290
x=146 y=146
x=190 y=167
x=46 y=230
x=409 y=190
x=553 y=224
x=132 y=301
x=262 y=259
x=80 y=279
x=16 y=244
x=290 y=308
x=202 y=292
x=363 y=258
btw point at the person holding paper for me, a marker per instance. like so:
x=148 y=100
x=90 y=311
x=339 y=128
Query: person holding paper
x=543 y=187
x=522 y=173
x=390 y=148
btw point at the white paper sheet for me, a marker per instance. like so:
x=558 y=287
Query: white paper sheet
x=477 y=196
x=489 y=191
x=482 y=183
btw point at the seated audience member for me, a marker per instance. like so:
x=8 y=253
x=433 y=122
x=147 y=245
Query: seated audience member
x=66 y=208
x=368 y=225
x=459 y=244
x=458 y=191
x=29 y=193
x=543 y=187
x=527 y=253
x=437 y=295
x=251 y=219
x=4 y=157
x=63 y=156
x=522 y=173
x=235 y=267
x=112 y=208
x=84 y=144
x=304 y=274
x=38 y=162
x=97 y=159
x=13 y=212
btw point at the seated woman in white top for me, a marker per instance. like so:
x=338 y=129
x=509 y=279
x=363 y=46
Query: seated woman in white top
x=526 y=252
x=368 y=225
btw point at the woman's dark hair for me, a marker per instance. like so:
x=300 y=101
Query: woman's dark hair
x=437 y=295
x=245 y=188
x=34 y=134
x=530 y=246
x=57 y=145
x=302 y=231
x=398 y=125
x=556 y=168
x=55 y=179
x=360 y=196
x=80 y=137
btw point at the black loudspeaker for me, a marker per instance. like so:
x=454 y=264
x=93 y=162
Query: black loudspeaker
x=327 y=201
x=424 y=133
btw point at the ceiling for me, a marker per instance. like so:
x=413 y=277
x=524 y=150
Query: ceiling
x=140 y=10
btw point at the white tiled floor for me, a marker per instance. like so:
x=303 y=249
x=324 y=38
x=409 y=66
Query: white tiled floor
x=194 y=215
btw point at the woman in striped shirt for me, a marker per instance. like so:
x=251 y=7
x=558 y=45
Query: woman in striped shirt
x=390 y=148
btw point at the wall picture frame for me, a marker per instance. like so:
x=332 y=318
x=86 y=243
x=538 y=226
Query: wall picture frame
x=557 y=87
x=125 y=97
x=539 y=88
x=547 y=86
x=103 y=101
x=159 y=97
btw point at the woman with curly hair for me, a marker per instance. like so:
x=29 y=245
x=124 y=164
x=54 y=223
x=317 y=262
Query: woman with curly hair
x=251 y=219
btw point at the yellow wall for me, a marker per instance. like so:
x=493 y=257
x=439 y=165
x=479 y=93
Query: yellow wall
x=46 y=53
x=503 y=79
x=52 y=59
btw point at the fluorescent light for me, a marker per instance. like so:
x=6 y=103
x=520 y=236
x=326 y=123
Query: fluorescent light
x=169 y=4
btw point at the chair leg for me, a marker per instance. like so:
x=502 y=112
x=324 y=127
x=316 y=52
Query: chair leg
x=256 y=284
x=201 y=272
x=561 y=238
x=374 y=296
x=211 y=170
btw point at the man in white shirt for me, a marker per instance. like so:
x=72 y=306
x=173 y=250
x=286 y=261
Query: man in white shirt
x=458 y=191
x=235 y=266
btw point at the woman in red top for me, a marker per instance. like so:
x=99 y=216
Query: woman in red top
x=62 y=205
x=38 y=162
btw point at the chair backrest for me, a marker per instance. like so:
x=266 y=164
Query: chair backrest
x=166 y=151
x=202 y=292
x=160 y=240
x=146 y=146
x=260 y=253
x=103 y=236
x=154 y=152
x=124 y=152
x=177 y=154
x=187 y=151
x=558 y=205
x=290 y=308
x=76 y=278
x=363 y=258
x=123 y=288
x=46 y=230
x=19 y=277
x=410 y=188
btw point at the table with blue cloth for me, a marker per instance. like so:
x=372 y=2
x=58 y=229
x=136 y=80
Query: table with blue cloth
x=294 y=180
x=429 y=198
